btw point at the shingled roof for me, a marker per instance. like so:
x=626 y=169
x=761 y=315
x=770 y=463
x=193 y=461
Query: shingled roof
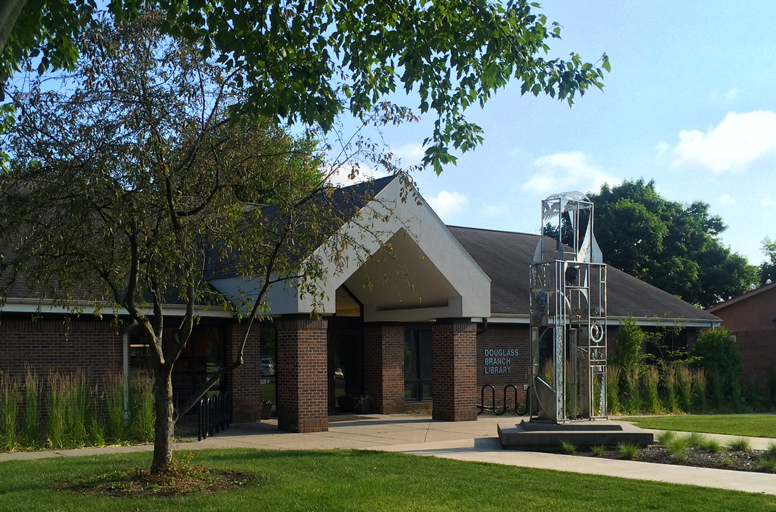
x=506 y=257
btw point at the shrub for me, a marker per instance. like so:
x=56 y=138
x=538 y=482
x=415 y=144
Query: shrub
x=31 y=412
x=735 y=398
x=713 y=446
x=598 y=450
x=771 y=450
x=676 y=446
x=666 y=437
x=718 y=354
x=753 y=394
x=9 y=411
x=684 y=381
x=717 y=397
x=671 y=385
x=651 y=397
x=631 y=339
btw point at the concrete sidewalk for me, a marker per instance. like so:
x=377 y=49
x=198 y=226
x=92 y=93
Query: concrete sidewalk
x=467 y=441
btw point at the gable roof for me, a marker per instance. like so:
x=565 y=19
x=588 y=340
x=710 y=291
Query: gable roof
x=742 y=297
x=506 y=257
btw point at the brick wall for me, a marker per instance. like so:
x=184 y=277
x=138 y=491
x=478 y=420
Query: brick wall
x=50 y=345
x=302 y=388
x=503 y=337
x=244 y=383
x=454 y=370
x=758 y=349
x=384 y=367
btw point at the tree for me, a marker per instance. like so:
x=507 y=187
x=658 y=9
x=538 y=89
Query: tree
x=124 y=186
x=768 y=269
x=667 y=244
x=308 y=61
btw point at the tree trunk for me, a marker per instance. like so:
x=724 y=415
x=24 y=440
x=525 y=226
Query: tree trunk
x=164 y=425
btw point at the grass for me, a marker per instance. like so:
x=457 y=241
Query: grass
x=750 y=425
x=569 y=447
x=598 y=450
x=363 y=481
x=628 y=451
x=741 y=444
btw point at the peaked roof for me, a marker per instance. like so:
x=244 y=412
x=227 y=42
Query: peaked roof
x=744 y=296
x=506 y=257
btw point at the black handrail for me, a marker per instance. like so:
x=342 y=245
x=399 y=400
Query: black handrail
x=213 y=416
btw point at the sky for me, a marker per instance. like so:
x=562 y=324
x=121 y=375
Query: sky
x=690 y=103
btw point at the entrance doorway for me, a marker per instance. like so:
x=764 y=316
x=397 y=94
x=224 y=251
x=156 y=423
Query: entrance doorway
x=345 y=363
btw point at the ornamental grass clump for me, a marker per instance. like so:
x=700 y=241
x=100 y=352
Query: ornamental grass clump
x=684 y=385
x=670 y=384
x=651 y=397
x=56 y=412
x=713 y=446
x=700 y=389
x=628 y=451
x=31 y=436
x=113 y=387
x=696 y=440
x=771 y=450
x=569 y=447
x=632 y=388
x=141 y=398
x=9 y=411
x=741 y=444
x=613 y=373
x=598 y=450
x=76 y=398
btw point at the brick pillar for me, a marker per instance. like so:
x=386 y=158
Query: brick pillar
x=454 y=370
x=302 y=388
x=245 y=381
x=384 y=367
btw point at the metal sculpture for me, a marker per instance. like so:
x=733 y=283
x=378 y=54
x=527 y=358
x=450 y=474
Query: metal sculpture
x=568 y=314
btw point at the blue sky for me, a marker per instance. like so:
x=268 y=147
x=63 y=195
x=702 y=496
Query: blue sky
x=690 y=103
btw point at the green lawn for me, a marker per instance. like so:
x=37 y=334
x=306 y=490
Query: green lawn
x=368 y=481
x=755 y=425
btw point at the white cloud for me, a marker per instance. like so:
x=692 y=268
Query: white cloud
x=732 y=145
x=563 y=172
x=727 y=200
x=410 y=153
x=447 y=204
x=346 y=175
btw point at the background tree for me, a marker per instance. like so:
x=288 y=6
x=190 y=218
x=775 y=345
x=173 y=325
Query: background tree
x=768 y=268
x=308 y=61
x=128 y=182
x=719 y=356
x=667 y=244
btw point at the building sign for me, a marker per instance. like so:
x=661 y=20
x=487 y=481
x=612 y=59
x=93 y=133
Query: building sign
x=499 y=360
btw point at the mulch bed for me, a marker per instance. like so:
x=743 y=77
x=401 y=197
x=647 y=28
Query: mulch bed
x=177 y=483
x=734 y=460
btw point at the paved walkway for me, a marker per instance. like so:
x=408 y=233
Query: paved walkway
x=468 y=441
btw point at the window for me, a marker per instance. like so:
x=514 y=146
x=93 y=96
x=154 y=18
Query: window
x=417 y=365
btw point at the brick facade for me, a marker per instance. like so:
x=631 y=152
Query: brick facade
x=244 y=383
x=454 y=370
x=51 y=345
x=503 y=337
x=302 y=387
x=384 y=367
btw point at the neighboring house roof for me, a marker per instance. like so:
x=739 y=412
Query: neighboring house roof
x=506 y=257
x=746 y=296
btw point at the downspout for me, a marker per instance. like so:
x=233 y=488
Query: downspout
x=484 y=327
x=125 y=364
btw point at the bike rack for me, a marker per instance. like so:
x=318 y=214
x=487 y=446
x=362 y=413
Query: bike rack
x=213 y=416
x=493 y=407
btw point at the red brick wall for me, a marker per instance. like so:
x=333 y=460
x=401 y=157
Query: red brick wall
x=503 y=337
x=302 y=388
x=384 y=367
x=46 y=346
x=758 y=349
x=244 y=383
x=454 y=370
